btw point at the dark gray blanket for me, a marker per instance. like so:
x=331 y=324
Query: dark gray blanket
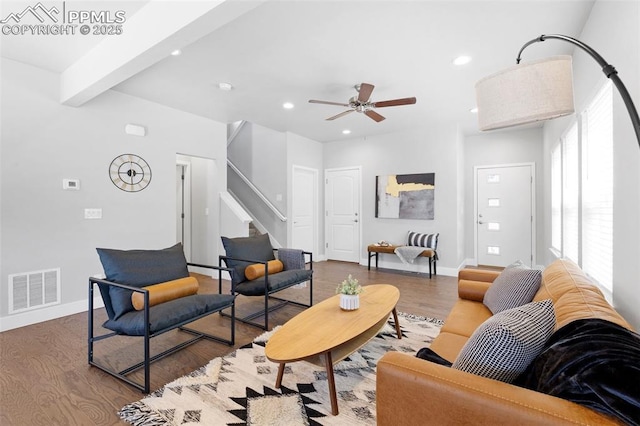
x=591 y=362
x=291 y=258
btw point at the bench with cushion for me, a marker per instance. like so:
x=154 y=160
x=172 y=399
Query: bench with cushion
x=147 y=293
x=428 y=241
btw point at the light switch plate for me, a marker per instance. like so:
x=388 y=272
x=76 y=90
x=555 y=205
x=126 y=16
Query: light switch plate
x=93 y=213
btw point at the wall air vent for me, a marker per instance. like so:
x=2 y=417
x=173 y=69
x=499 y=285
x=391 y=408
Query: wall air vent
x=33 y=290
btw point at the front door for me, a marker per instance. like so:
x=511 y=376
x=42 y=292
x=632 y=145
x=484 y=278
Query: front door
x=342 y=205
x=505 y=214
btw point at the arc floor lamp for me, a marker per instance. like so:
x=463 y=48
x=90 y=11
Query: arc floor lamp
x=539 y=90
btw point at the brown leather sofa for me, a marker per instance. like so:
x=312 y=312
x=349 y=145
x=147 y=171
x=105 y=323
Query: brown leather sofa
x=414 y=391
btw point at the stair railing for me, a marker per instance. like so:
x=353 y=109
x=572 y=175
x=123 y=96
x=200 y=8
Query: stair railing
x=260 y=195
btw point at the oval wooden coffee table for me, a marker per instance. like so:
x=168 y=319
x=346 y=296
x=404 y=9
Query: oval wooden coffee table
x=324 y=334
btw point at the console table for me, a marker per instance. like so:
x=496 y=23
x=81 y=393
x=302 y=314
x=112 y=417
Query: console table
x=373 y=250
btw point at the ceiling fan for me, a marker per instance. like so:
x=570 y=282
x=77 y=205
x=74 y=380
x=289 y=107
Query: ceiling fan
x=362 y=103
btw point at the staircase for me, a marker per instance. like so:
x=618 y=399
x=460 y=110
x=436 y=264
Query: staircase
x=241 y=184
x=253 y=231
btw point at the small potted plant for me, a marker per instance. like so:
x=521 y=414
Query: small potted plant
x=349 y=291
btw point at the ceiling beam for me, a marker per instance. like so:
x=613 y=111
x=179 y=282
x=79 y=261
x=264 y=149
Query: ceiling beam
x=149 y=36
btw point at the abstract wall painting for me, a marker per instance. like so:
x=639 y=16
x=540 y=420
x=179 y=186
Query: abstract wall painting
x=405 y=196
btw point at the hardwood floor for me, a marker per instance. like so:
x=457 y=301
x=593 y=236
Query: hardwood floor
x=45 y=378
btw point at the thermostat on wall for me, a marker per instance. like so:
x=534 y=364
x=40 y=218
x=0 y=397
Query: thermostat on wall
x=73 y=184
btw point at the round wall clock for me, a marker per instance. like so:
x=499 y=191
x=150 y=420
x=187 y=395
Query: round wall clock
x=130 y=173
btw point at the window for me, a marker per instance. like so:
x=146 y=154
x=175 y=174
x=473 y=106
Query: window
x=582 y=190
x=597 y=188
x=570 y=197
x=556 y=199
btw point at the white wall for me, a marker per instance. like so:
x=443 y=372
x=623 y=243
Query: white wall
x=433 y=149
x=43 y=142
x=613 y=30
x=462 y=189
x=504 y=147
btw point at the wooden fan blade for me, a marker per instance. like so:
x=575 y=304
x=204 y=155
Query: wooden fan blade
x=340 y=115
x=313 y=101
x=374 y=115
x=395 y=102
x=365 y=92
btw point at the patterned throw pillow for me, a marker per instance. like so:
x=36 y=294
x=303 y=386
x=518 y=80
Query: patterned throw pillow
x=514 y=287
x=423 y=240
x=505 y=344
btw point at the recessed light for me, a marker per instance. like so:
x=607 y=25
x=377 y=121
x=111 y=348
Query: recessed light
x=462 y=60
x=225 y=86
x=287 y=105
x=176 y=52
x=346 y=131
x=474 y=110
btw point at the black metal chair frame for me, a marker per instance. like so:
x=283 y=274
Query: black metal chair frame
x=146 y=363
x=268 y=293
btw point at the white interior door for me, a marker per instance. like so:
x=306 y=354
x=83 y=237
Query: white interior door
x=505 y=214
x=304 y=209
x=183 y=208
x=342 y=205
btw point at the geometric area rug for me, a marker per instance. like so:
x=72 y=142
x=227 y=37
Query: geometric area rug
x=239 y=388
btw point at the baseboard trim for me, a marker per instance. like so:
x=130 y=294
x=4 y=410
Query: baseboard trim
x=213 y=273
x=421 y=267
x=46 y=314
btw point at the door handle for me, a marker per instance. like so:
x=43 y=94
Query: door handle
x=480 y=222
x=355 y=220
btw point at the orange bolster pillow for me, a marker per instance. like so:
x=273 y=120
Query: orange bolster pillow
x=163 y=292
x=257 y=269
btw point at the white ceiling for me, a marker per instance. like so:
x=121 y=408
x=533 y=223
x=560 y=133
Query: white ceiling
x=293 y=51
x=56 y=53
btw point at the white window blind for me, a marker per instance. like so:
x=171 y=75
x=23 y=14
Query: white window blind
x=597 y=188
x=570 y=197
x=556 y=198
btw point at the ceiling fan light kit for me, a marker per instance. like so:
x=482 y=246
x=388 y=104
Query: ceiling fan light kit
x=363 y=104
